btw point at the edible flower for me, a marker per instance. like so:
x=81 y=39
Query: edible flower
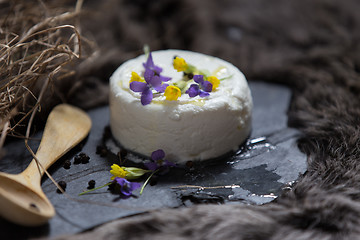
x=123 y=186
x=136 y=77
x=126 y=172
x=158 y=162
x=126 y=187
x=117 y=171
x=152 y=81
x=179 y=64
x=134 y=172
x=202 y=88
x=149 y=65
x=121 y=175
x=214 y=81
x=172 y=93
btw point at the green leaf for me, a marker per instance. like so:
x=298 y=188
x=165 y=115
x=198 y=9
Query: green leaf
x=134 y=173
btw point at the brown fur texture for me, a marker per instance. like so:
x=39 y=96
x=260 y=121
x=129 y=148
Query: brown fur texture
x=312 y=46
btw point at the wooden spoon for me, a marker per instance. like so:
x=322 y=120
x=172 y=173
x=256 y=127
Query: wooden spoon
x=22 y=200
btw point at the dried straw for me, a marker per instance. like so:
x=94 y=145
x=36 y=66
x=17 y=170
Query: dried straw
x=36 y=43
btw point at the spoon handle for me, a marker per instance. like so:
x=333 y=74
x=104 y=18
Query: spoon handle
x=66 y=126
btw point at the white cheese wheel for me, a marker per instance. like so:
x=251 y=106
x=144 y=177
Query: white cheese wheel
x=197 y=128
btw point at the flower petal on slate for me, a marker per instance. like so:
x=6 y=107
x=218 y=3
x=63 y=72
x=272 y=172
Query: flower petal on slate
x=167 y=163
x=117 y=171
x=151 y=166
x=157 y=155
x=126 y=187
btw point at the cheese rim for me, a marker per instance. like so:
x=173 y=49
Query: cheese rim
x=193 y=120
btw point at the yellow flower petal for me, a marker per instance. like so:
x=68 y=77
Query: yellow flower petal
x=117 y=171
x=172 y=93
x=214 y=81
x=136 y=77
x=179 y=64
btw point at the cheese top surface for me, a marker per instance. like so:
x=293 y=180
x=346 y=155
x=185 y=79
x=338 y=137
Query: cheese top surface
x=190 y=128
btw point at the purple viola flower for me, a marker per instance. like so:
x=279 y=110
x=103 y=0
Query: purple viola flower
x=195 y=90
x=152 y=81
x=205 y=85
x=126 y=187
x=202 y=88
x=158 y=162
x=149 y=65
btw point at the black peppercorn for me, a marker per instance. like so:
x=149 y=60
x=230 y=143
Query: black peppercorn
x=81 y=158
x=77 y=159
x=67 y=164
x=62 y=184
x=91 y=184
x=85 y=159
x=101 y=150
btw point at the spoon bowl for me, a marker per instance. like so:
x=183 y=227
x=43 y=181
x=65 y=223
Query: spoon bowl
x=21 y=204
x=22 y=200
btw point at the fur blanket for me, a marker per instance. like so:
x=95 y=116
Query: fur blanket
x=312 y=46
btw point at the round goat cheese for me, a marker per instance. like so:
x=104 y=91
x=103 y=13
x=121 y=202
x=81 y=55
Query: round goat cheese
x=189 y=128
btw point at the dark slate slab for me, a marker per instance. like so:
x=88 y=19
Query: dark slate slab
x=256 y=174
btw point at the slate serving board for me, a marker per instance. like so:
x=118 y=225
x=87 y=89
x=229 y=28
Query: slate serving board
x=256 y=174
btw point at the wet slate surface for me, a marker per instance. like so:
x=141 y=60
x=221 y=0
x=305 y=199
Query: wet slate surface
x=256 y=174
